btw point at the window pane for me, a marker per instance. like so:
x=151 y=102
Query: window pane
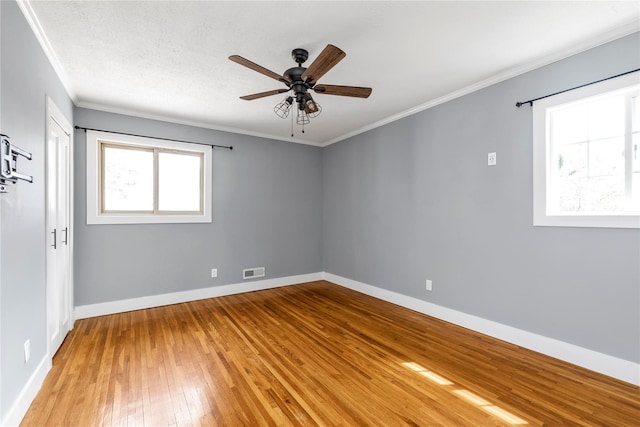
x=599 y=195
x=606 y=194
x=588 y=166
x=606 y=157
x=572 y=160
x=128 y=179
x=570 y=124
x=573 y=193
x=606 y=117
x=179 y=182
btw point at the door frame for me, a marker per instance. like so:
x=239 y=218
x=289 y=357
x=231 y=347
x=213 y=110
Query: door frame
x=54 y=113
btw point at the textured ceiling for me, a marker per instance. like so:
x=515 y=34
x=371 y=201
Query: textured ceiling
x=169 y=60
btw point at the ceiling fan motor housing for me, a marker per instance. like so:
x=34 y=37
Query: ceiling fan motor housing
x=299 y=55
x=298 y=86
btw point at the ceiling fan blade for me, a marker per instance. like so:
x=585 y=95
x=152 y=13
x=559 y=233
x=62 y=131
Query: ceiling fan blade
x=354 y=91
x=263 y=94
x=259 y=68
x=327 y=59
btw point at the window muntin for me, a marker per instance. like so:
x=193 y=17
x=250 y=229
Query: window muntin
x=145 y=180
x=586 y=166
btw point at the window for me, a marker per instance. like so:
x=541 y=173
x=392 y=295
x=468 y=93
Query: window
x=587 y=156
x=144 y=180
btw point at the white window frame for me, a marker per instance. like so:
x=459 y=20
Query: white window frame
x=94 y=214
x=541 y=161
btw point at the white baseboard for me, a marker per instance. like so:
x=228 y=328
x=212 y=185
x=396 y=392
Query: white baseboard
x=599 y=362
x=121 y=306
x=27 y=394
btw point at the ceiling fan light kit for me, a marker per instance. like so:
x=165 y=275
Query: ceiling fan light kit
x=302 y=119
x=299 y=80
x=282 y=108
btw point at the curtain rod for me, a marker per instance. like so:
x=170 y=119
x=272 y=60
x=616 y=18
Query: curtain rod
x=228 y=147
x=531 y=101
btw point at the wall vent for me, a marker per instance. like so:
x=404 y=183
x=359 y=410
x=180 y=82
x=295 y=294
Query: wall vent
x=251 y=273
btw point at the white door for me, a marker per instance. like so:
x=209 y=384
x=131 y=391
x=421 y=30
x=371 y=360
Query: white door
x=59 y=278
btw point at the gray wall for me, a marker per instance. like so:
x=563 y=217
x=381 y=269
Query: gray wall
x=415 y=200
x=408 y=201
x=267 y=212
x=26 y=78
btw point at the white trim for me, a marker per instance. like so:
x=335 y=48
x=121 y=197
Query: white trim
x=27 y=394
x=194 y=123
x=93 y=191
x=38 y=31
x=599 y=362
x=121 y=306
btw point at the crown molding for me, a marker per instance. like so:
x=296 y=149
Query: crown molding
x=186 y=122
x=38 y=31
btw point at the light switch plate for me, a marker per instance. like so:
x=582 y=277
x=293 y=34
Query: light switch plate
x=492 y=159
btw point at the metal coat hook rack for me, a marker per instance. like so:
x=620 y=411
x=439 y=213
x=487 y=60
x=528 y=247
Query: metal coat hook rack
x=8 y=163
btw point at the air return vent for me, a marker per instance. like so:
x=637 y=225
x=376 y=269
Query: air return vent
x=250 y=273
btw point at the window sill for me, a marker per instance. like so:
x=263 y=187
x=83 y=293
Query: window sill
x=147 y=219
x=598 y=221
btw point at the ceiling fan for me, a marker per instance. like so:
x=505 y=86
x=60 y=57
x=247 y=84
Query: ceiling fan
x=299 y=80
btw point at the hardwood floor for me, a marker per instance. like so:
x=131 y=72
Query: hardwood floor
x=311 y=354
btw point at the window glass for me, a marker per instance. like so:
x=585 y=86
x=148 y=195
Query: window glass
x=128 y=179
x=606 y=117
x=570 y=125
x=179 y=182
x=588 y=162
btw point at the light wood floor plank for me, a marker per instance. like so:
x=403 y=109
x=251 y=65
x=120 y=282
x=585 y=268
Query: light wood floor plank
x=311 y=354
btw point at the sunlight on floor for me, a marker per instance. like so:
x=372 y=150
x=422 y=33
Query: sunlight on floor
x=468 y=396
x=429 y=374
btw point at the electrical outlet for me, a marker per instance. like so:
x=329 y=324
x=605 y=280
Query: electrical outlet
x=27 y=351
x=429 y=285
x=492 y=159
x=214 y=272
